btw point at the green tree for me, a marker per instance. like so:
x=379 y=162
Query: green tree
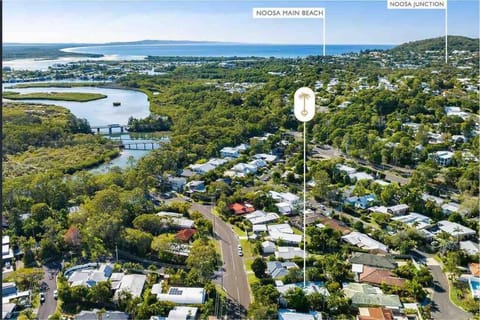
x=296 y=299
x=259 y=267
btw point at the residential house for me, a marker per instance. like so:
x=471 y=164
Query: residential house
x=101 y=314
x=176 y=220
x=183 y=313
x=415 y=220
x=288 y=253
x=456 y=230
x=375 y=314
x=436 y=200
x=185 y=235
x=131 y=283
x=88 y=275
x=265 y=157
x=363 y=241
x=452 y=111
x=363 y=202
x=365 y=295
x=309 y=287
x=259 y=228
x=229 y=152
x=283 y=232
x=470 y=247
x=196 y=186
x=348 y=170
x=241 y=208
x=451 y=207
x=258 y=163
x=202 y=168
x=180 y=295
x=261 y=217
x=442 y=158
x=288 y=314
x=277 y=269
x=286 y=202
x=396 y=210
x=373 y=260
x=7 y=252
x=357 y=176
x=377 y=276
x=177 y=183
x=268 y=247
x=243 y=169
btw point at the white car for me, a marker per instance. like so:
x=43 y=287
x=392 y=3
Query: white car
x=55 y=294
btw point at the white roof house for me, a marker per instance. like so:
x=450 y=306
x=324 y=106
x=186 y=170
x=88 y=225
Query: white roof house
x=181 y=295
x=287 y=197
x=455 y=229
x=289 y=253
x=364 y=241
x=265 y=157
x=283 y=232
x=416 y=220
x=456 y=111
x=449 y=208
x=470 y=247
x=244 y=168
x=132 y=283
x=290 y=238
x=346 y=169
x=90 y=277
x=268 y=247
x=284 y=208
x=260 y=217
x=442 y=158
x=182 y=313
x=360 y=176
x=428 y=197
x=202 y=168
x=258 y=228
x=259 y=163
x=229 y=152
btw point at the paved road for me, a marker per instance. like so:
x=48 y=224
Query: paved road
x=49 y=284
x=442 y=307
x=234 y=278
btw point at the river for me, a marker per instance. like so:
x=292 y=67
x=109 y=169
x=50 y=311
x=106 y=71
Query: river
x=102 y=112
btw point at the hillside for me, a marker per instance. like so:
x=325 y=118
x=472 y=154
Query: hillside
x=454 y=43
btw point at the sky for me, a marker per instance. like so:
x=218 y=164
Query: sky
x=347 y=21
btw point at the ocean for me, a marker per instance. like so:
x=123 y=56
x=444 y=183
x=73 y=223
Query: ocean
x=134 y=51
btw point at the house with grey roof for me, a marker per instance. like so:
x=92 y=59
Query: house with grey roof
x=373 y=260
x=364 y=295
x=277 y=269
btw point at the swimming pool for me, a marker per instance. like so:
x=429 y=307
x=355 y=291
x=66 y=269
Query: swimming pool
x=475 y=287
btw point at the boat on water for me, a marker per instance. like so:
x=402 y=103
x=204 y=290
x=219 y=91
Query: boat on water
x=116 y=104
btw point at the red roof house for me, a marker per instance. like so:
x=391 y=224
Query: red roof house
x=241 y=208
x=185 y=234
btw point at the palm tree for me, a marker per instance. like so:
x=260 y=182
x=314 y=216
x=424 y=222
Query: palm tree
x=305 y=96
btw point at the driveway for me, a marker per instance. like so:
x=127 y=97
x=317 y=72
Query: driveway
x=442 y=307
x=48 y=285
x=235 y=280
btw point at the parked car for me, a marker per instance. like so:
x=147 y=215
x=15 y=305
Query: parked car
x=55 y=294
x=42 y=297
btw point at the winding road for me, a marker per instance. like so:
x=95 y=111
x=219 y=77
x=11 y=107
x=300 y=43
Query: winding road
x=442 y=306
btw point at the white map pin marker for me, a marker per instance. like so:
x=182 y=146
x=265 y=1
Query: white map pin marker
x=304 y=104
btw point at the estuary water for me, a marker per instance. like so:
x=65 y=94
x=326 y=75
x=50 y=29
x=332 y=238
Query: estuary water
x=102 y=112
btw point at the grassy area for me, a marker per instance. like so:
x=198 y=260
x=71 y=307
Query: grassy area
x=239 y=231
x=63 y=96
x=66 y=159
x=460 y=296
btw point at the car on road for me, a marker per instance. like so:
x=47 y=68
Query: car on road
x=188 y=199
x=55 y=294
x=42 y=297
